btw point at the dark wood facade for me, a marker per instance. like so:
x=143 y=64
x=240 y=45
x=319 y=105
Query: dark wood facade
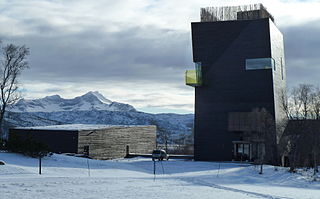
x=222 y=47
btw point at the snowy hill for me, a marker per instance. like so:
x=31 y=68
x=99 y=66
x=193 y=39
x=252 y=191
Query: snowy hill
x=94 y=108
x=86 y=102
x=70 y=178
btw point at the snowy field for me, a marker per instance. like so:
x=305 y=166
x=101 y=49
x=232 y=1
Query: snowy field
x=66 y=177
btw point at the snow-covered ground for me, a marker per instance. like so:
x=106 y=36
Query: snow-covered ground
x=66 y=177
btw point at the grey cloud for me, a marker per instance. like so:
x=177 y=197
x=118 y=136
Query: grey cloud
x=171 y=105
x=52 y=90
x=145 y=53
x=95 y=55
x=302 y=45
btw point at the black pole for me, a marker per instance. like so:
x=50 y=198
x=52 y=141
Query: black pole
x=154 y=170
x=40 y=164
x=261 y=167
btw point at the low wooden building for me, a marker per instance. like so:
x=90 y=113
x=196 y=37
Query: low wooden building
x=97 y=141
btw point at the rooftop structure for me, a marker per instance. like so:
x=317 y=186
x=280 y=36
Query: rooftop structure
x=231 y=13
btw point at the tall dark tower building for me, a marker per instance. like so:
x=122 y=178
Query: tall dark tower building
x=239 y=67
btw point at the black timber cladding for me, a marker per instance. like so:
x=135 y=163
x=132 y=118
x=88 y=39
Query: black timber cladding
x=58 y=141
x=222 y=48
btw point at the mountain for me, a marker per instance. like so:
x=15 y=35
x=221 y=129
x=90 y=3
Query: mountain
x=94 y=108
x=86 y=102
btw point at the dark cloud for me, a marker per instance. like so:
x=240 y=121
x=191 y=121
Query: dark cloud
x=302 y=46
x=143 y=54
x=132 y=54
x=75 y=49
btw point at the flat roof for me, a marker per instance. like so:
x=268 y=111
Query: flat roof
x=77 y=127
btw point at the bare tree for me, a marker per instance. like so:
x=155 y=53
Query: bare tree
x=164 y=136
x=263 y=124
x=13 y=61
x=302 y=107
x=284 y=103
x=305 y=97
x=302 y=98
x=315 y=104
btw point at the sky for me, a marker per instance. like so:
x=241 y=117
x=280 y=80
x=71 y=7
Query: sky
x=136 y=51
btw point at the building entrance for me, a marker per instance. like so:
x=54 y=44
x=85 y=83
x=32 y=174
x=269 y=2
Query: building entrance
x=242 y=151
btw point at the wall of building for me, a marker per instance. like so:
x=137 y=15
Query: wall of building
x=112 y=142
x=222 y=48
x=279 y=76
x=57 y=141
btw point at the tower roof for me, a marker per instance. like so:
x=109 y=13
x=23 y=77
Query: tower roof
x=233 y=13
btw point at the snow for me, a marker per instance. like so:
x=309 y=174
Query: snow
x=100 y=97
x=92 y=100
x=69 y=178
x=74 y=127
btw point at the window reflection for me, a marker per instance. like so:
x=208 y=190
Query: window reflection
x=260 y=63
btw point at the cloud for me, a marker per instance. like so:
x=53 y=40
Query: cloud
x=302 y=46
x=142 y=96
x=94 y=55
x=134 y=51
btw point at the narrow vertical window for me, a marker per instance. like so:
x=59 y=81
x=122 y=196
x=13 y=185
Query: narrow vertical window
x=281 y=68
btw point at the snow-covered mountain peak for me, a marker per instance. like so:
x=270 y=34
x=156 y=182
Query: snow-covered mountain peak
x=52 y=97
x=95 y=95
x=92 y=100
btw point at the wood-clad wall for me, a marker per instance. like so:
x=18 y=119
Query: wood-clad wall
x=112 y=142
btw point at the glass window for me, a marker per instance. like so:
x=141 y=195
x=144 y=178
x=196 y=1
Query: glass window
x=240 y=148
x=194 y=77
x=259 y=63
x=246 y=149
x=281 y=68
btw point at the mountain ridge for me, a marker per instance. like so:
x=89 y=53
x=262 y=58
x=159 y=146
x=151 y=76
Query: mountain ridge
x=92 y=100
x=171 y=126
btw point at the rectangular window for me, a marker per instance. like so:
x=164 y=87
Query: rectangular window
x=240 y=148
x=281 y=68
x=243 y=149
x=260 y=63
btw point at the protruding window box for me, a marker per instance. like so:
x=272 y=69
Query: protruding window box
x=193 y=77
